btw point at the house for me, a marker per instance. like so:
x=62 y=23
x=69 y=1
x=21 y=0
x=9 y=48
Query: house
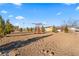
x=59 y=29
x=48 y=29
x=74 y=29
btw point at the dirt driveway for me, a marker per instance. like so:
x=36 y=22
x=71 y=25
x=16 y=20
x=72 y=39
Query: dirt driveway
x=49 y=44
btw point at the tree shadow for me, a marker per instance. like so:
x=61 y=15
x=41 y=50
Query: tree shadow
x=17 y=34
x=17 y=44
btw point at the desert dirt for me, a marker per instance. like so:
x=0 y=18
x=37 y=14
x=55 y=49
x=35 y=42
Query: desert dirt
x=48 y=44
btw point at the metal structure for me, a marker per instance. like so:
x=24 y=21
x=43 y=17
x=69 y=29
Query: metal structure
x=38 y=29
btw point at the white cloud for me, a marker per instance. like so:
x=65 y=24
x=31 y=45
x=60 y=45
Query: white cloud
x=4 y=11
x=59 y=13
x=10 y=16
x=16 y=24
x=77 y=8
x=17 y=4
x=19 y=17
x=69 y=4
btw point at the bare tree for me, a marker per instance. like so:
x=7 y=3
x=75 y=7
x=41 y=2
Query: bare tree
x=71 y=23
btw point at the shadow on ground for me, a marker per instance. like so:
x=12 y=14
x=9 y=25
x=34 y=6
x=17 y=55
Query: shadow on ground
x=17 y=44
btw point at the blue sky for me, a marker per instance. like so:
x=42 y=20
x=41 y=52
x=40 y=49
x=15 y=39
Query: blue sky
x=49 y=14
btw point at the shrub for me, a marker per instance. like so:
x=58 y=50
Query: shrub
x=66 y=29
x=54 y=29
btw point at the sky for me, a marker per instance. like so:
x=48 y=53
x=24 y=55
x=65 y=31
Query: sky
x=25 y=14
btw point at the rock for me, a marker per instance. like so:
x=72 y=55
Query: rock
x=43 y=50
x=47 y=51
x=51 y=54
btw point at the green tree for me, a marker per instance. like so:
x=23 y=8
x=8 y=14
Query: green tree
x=2 y=26
x=43 y=29
x=66 y=29
x=27 y=29
x=54 y=29
x=21 y=29
x=31 y=29
x=8 y=27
